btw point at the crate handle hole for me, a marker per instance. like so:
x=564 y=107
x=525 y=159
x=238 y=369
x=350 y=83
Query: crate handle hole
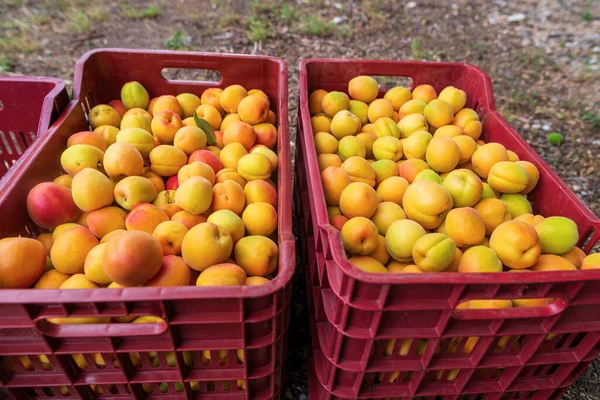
x=192 y=74
x=1 y=105
x=388 y=82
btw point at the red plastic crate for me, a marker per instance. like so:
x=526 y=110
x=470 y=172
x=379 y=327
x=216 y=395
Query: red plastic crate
x=357 y=313
x=28 y=106
x=251 y=318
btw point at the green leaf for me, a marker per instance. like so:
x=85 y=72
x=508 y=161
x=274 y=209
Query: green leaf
x=207 y=128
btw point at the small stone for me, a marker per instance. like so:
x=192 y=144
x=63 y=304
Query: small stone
x=546 y=127
x=596 y=49
x=411 y=4
x=302 y=397
x=339 y=6
x=516 y=17
x=536 y=126
x=338 y=20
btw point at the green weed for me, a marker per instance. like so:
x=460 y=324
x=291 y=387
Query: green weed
x=315 y=26
x=152 y=11
x=80 y=23
x=258 y=30
x=176 y=42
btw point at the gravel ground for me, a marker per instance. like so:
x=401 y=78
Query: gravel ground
x=543 y=57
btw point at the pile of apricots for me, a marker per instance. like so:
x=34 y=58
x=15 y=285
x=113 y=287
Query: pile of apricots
x=412 y=188
x=163 y=191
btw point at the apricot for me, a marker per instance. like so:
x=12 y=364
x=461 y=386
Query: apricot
x=173 y=272
x=253 y=110
x=384 y=169
x=486 y=156
x=105 y=220
x=553 y=262
x=333 y=102
x=231 y=222
x=91 y=190
x=508 y=177
x=62 y=228
x=329 y=160
x=136 y=121
x=465 y=226
x=314 y=101
x=367 y=264
x=433 y=252
x=429 y=175
x=133 y=190
x=70 y=249
x=50 y=204
x=145 y=217
x=479 y=259
x=438 y=113
x=415 y=146
x=455 y=97
x=139 y=138
x=134 y=95
x=321 y=123
x=256 y=255
x=92 y=267
x=256 y=281
x=466 y=146
x=412 y=123
x=228 y=195
x=350 y=146
x=231 y=154
x=165 y=125
x=359 y=170
x=516 y=244
x=442 y=154
x=212 y=96
x=51 y=279
x=189 y=139
x=359 y=236
x=188 y=219
x=363 y=88
x=453 y=267
x=64 y=180
x=576 y=257
x=392 y=189
x=326 y=143
x=208 y=158
x=90 y=138
x=195 y=195
x=386 y=213
x=167 y=103
x=427 y=203
x=386 y=127
x=398 y=96
x=228 y=119
x=260 y=219
x=401 y=237
x=532 y=173
x=450 y=131
x=425 y=93
x=493 y=212
x=196 y=168
x=103 y=114
x=188 y=102
x=222 y=275
x=165 y=200
x=266 y=134
x=239 y=132
x=335 y=180
x=231 y=97
x=23 y=261
x=230 y=174
x=411 y=107
x=558 y=235
x=80 y=156
x=359 y=200
x=591 y=261
x=344 y=123
x=380 y=108
x=260 y=191
x=464 y=186
x=122 y=159
x=133 y=259
x=387 y=148
x=254 y=166
x=359 y=109
x=169 y=235
x=211 y=115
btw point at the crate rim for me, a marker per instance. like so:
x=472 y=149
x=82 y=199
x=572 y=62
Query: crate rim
x=334 y=236
x=286 y=244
